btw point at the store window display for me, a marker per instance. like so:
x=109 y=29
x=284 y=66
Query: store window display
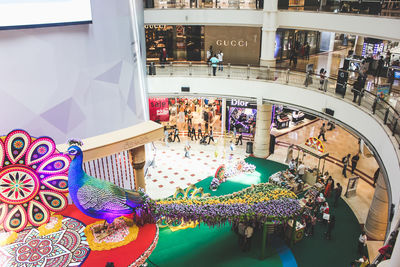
x=196 y=114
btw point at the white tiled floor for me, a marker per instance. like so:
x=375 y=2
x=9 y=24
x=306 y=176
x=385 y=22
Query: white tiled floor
x=172 y=169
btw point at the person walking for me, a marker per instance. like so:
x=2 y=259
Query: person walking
x=362 y=243
x=209 y=53
x=330 y=227
x=176 y=134
x=329 y=187
x=322 y=75
x=220 y=57
x=345 y=161
x=187 y=150
x=214 y=61
x=354 y=161
x=193 y=134
x=307 y=51
x=189 y=130
x=358 y=86
x=211 y=136
x=199 y=133
x=379 y=69
x=166 y=134
x=190 y=117
x=294 y=59
x=240 y=138
x=322 y=132
x=338 y=193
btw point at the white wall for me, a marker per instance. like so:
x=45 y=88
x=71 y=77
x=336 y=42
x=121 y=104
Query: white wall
x=345 y=112
x=73 y=81
x=386 y=28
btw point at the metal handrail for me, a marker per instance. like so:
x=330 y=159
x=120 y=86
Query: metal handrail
x=368 y=100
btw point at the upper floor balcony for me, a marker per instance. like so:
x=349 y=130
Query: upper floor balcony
x=370 y=7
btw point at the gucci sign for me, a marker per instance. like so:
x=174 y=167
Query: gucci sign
x=233 y=43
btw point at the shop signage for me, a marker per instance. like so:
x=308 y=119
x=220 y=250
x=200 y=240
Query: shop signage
x=235 y=43
x=231 y=43
x=159 y=109
x=239 y=103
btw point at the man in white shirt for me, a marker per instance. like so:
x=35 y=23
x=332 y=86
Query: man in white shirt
x=220 y=57
x=301 y=170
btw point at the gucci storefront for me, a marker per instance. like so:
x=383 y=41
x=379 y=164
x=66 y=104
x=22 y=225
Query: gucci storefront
x=240 y=45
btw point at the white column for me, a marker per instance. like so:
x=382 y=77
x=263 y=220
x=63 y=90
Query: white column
x=268 y=33
x=223 y=117
x=263 y=124
x=358 y=46
x=376 y=223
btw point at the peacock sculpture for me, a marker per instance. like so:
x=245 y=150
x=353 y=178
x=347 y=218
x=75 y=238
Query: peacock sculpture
x=97 y=198
x=103 y=200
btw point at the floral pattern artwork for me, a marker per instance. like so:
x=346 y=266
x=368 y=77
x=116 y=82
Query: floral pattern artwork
x=33 y=180
x=66 y=247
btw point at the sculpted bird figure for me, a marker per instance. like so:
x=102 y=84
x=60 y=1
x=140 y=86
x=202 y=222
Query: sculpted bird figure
x=97 y=198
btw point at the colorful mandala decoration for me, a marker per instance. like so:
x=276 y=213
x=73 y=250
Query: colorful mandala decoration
x=66 y=247
x=33 y=180
x=315 y=143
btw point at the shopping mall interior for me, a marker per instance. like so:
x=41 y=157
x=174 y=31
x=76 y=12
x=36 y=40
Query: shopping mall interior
x=200 y=133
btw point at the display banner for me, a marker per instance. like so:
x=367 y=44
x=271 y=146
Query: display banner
x=159 y=109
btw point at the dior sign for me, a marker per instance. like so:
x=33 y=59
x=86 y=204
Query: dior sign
x=233 y=43
x=239 y=103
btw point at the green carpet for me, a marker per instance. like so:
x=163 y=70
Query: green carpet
x=206 y=246
x=316 y=251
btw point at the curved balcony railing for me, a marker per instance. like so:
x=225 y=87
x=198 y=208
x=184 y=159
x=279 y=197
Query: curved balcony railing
x=371 y=7
x=368 y=101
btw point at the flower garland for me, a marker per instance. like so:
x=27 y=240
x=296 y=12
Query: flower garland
x=260 y=202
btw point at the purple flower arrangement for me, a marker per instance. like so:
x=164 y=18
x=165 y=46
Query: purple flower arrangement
x=258 y=203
